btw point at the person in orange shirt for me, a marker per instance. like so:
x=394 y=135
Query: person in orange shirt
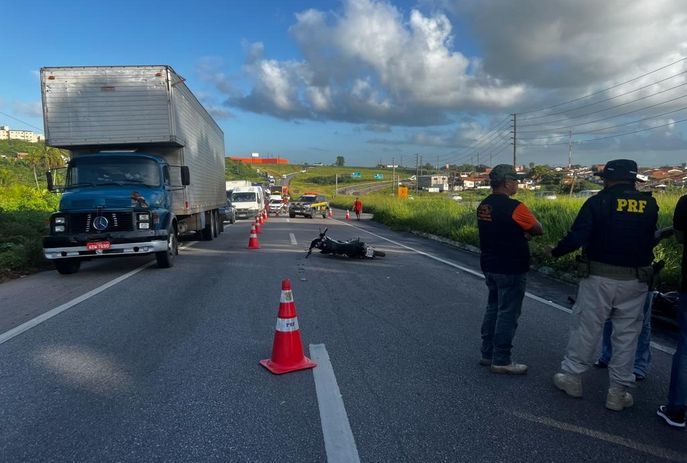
x=505 y=227
x=358 y=207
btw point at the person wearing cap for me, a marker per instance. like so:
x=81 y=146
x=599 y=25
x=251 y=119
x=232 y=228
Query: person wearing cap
x=615 y=229
x=505 y=227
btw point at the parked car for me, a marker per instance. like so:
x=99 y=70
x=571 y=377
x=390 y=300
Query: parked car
x=545 y=195
x=586 y=193
x=308 y=205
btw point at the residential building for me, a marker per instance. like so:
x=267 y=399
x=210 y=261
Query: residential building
x=26 y=135
x=433 y=181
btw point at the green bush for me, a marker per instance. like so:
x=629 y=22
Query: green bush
x=24 y=214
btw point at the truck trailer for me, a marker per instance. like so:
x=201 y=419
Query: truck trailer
x=146 y=163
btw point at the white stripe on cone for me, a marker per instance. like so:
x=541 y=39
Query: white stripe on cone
x=287 y=325
x=286 y=296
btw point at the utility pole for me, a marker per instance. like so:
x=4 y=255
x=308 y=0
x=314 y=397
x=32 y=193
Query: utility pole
x=515 y=165
x=417 y=171
x=336 y=183
x=393 y=176
x=572 y=179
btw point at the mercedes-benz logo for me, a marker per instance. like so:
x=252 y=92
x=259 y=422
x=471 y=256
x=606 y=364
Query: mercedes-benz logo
x=100 y=223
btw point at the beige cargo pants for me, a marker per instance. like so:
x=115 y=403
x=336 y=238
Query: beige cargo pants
x=600 y=298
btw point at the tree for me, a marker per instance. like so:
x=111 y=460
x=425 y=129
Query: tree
x=340 y=161
x=537 y=173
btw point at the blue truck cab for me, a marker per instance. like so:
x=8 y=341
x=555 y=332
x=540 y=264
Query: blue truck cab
x=113 y=204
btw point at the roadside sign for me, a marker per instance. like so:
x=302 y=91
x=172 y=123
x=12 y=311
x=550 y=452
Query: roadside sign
x=379 y=176
x=355 y=174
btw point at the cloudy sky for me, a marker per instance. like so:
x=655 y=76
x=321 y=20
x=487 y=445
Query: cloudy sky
x=377 y=80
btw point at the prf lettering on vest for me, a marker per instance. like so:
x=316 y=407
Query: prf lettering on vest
x=631 y=205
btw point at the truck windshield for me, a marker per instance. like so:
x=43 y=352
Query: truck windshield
x=110 y=170
x=243 y=197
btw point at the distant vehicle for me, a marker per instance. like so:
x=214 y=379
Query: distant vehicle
x=277 y=205
x=308 y=205
x=283 y=175
x=229 y=212
x=248 y=201
x=545 y=195
x=586 y=193
x=457 y=197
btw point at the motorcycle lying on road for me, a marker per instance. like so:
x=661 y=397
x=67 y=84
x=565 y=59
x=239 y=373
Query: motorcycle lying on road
x=351 y=248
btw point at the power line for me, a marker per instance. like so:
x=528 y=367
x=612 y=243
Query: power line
x=616 y=116
x=611 y=107
x=605 y=89
x=614 y=135
x=19 y=120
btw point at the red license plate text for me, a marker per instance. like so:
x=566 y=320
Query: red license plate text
x=98 y=245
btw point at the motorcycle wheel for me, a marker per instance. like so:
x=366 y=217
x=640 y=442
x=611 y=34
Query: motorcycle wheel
x=379 y=253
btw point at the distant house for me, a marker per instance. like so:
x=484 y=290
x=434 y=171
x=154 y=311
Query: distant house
x=433 y=181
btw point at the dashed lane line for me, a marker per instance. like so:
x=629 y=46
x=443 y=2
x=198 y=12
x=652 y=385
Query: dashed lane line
x=657 y=346
x=338 y=437
x=292 y=237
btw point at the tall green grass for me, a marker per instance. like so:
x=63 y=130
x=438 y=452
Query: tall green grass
x=24 y=213
x=457 y=221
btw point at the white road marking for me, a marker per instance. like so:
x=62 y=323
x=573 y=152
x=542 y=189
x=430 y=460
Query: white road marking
x=338 y=437
x=293 y=239
x=653 y=450
x=17 y=330
x=659 y=347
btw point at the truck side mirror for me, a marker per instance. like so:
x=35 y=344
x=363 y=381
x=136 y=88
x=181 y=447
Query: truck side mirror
x=185 y=176
x=51 y=183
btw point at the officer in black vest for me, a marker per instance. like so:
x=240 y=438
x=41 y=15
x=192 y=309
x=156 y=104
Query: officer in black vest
x=615 y=229
x=505 y=226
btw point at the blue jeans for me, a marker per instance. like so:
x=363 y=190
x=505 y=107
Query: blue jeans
x=677 y=395
x=643 y=354
x=501 y=316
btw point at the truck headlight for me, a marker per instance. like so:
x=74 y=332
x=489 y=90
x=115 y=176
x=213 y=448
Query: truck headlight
x=58 y=228
x=59 y=221
x=144 y=217
x=144 y=226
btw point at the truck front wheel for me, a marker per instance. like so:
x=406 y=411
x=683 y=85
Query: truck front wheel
x=165 y=259
x=67 y=266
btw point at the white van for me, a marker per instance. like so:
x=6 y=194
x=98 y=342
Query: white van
x=247 y=201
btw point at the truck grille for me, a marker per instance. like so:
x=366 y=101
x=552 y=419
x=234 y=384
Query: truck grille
x=116 y=221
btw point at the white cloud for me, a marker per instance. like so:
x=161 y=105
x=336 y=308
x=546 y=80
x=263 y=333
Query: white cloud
x=369 y=64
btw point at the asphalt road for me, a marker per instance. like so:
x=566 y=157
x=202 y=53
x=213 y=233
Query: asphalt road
x=163 y=365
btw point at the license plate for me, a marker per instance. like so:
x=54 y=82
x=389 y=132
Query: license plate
x=98 y=245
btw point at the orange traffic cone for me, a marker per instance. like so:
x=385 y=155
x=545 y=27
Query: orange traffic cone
x=265 y=215
x=257 y=225
x=287 y=350
x=330 y=214
x=348 y=215
x=253 y=242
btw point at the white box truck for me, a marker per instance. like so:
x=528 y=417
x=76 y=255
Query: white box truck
x=146 y=164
